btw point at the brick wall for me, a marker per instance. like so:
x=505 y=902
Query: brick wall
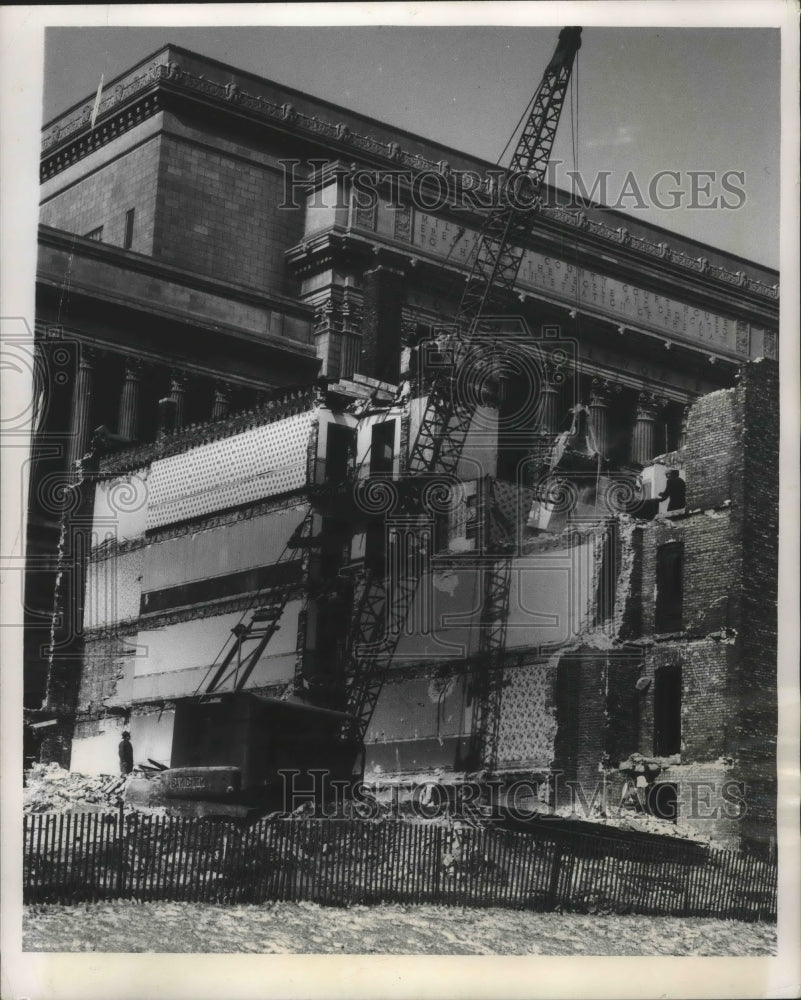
x=727 y=651
x=757 y=516
x=580 y=711
x=217 y=214
x=103 y=670
x=708 y=698
x=709 y=455
x=103 y=197
x=711 y=560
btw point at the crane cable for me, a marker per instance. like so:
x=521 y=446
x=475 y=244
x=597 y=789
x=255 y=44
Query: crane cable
x=574 y=128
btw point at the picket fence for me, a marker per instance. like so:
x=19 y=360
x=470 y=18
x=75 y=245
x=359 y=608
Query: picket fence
x=90 y=856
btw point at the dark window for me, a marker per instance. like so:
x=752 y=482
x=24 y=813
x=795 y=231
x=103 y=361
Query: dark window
x=382 y=447
x=667 y=711
x=669 y=587
x=127 y=242
x=340 y=451
x=95 y=234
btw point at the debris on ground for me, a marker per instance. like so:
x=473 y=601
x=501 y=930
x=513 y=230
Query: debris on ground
x=390 y=929
x=637 y=823
x=51 y=788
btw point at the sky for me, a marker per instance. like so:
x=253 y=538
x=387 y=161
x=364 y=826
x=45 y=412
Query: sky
x=646 y=100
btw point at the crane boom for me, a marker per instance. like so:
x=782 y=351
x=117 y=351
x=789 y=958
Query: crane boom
x=381 y=610
x=497 y=261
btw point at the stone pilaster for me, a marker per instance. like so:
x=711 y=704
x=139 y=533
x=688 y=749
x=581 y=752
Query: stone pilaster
x=222 y=401
x=81 y=406
x=599 y=415
x=549 y=410
x=128 y=420
x=643 y=443
x=177 y=394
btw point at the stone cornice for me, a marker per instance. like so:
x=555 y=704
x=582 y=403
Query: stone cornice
x=142 y=95
x=662 y=277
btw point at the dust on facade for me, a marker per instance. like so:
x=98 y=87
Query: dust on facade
x=231 y=390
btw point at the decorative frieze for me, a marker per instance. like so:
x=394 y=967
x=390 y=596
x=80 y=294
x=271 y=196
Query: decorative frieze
x=338 y=134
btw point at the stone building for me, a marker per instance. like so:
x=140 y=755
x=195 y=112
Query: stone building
x=229 y=327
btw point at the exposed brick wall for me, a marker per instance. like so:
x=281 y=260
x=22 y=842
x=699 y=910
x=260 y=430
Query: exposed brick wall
x=580 y=711
x=757 y=516
x=708 y=800
x=709 y=455
x=103 y=197
x=56 y=745
x=622 y=707
x=710 y=560
x=218 y=215
x=102 y=671
x=708 y=702
x=728 y=652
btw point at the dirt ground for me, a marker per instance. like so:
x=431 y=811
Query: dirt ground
x=306 y=928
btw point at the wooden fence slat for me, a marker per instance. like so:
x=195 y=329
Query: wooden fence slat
x=80 y=866
x=340 y=861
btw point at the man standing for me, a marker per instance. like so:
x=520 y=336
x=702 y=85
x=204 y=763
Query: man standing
x=126 y=754
x=675 y=490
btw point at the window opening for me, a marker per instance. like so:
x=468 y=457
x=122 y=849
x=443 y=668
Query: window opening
x=382 y=447
x=669 y=587
x=667 y=711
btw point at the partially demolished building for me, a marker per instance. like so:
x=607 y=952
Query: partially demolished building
x=241 y=466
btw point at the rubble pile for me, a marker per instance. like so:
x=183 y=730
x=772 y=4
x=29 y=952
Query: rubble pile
x=637 y=823
x=50 y=788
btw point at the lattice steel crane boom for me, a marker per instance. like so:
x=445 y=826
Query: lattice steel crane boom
x=497 y=261
x=380 y=615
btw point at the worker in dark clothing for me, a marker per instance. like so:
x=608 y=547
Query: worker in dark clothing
x=126 y=754
x=675 y=490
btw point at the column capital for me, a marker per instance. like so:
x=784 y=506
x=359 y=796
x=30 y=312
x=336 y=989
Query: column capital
x=134 y=368
x=647 y=406
x=88 y=357
x=554 y=376
x=601 y=390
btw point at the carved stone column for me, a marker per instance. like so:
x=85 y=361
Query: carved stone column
x=128 y=420
x=222 y=401
x=167 y=416
x=177 y=393
x=644 y=438
x=599 y=415
x=549 y=411
x=81 y=406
